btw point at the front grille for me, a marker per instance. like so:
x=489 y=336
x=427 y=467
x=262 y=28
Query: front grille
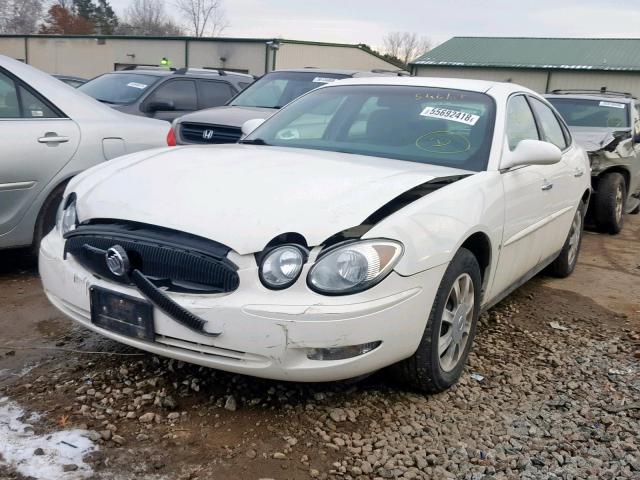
x=208 y=134
x=177 y=261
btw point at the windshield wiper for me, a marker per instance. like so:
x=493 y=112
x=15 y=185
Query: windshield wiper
x=102 y=100
x=255 y=141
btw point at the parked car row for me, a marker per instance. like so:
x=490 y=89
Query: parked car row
x=363 y=220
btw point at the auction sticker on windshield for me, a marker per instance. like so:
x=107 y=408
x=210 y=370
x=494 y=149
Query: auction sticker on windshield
x=453 y=115
x=612 y=104
x=141 y=86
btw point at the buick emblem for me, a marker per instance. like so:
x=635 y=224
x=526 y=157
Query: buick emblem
x=207 y=134
x=117 y=261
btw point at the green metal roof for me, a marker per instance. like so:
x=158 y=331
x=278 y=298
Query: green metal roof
x=539 y=53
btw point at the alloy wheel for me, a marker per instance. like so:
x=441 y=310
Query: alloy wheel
x=457 y=318
x=574 y=236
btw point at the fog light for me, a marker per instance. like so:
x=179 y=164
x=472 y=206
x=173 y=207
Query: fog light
x=341 y=353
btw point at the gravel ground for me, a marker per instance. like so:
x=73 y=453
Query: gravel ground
x=552 y=391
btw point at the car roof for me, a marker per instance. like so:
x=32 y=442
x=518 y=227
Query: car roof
x=342 y=71
x=482 y=86
x=202 y=72
x=592 y=96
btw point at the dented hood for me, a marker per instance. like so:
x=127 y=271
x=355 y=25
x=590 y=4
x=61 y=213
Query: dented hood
x=593 y=139
x=243 y=196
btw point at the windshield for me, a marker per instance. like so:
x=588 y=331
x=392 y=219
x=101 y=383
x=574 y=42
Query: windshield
x=579 y=112
x=118 y=88
x=438 y=126
x=276 y=89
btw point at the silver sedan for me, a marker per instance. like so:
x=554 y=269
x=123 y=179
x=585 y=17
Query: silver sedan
x=50 y=132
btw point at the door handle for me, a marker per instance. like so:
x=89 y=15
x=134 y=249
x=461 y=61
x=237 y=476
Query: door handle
x=547 y=186
x=578 y=173
x=52 y=137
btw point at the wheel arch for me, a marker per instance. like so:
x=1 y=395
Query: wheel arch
x=479 y=244
x=621 y=169
x=51 y=191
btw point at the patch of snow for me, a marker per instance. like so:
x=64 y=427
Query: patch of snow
x=18 y=443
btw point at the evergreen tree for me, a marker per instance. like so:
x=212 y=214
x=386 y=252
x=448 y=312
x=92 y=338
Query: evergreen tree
x=105 y=18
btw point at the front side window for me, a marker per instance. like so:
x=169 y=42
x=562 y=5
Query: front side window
x=181 y=93
x=419 y=124
x=119 y=88
x=521 y=124
x=580 y=112
x=551 y=129
x=275 y=90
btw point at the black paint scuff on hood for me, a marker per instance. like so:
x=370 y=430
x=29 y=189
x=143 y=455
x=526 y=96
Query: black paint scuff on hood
x=391 y=207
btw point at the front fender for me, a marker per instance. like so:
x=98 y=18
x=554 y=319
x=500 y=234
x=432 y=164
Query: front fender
x=434 y=227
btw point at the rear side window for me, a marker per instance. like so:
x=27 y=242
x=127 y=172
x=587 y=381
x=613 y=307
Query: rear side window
x=18 y=102
x=9 y=105
x=181 y=92
x=551 y=130
x=33 y=107
x=521 y=124
x=214 y=94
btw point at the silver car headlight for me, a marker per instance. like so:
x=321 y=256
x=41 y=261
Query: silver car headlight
x=281 y=267
x=354 y=267
x=67 y=216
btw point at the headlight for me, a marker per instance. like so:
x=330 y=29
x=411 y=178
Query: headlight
x=354 y=267
x=281 y=267
x=67 y=217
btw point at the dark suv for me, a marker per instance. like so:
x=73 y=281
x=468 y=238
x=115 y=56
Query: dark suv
x=165 y=94
x=607 y=125
x=259 y=101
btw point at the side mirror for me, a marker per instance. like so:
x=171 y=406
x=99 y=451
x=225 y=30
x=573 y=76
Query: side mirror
x=161 y=105
x=250 y=125
x=531 y=152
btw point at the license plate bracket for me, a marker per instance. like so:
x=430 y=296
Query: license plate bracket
x=122 y=314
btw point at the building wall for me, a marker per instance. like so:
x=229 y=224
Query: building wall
x=615 y=81
x=13 y=47
x=544 y=80
x=89 y=56
x=237 y=55
x=296 y=55
x=533 y=79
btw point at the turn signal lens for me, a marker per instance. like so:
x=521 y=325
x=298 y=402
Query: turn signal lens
x=341 y=353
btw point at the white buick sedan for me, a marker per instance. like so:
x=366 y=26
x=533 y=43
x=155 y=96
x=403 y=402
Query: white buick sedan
x=365 y=225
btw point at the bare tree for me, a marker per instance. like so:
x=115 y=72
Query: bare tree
x=147 y=17
x=20 y=16
x=405 y=46
x=204 y=17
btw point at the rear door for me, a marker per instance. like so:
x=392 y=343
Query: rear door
x=214 y=93
x=37 y=142
x=562 y=178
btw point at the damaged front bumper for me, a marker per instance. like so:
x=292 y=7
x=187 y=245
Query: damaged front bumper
x=272 y=334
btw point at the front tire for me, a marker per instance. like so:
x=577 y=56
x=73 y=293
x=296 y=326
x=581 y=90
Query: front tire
x=566 y=261
x=609 y=203
x=447 y=339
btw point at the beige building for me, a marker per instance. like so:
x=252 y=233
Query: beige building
x=542 y=64
x=88 y=56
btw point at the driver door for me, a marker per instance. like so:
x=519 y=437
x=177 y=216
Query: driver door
x=527 y=201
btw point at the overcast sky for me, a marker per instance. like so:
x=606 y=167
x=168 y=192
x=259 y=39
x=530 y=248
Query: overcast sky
x=367 y=21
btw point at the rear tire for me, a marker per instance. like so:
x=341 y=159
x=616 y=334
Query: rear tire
x=609 y=203
x=47 y=217
x=434 y=367
x=566 y=261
